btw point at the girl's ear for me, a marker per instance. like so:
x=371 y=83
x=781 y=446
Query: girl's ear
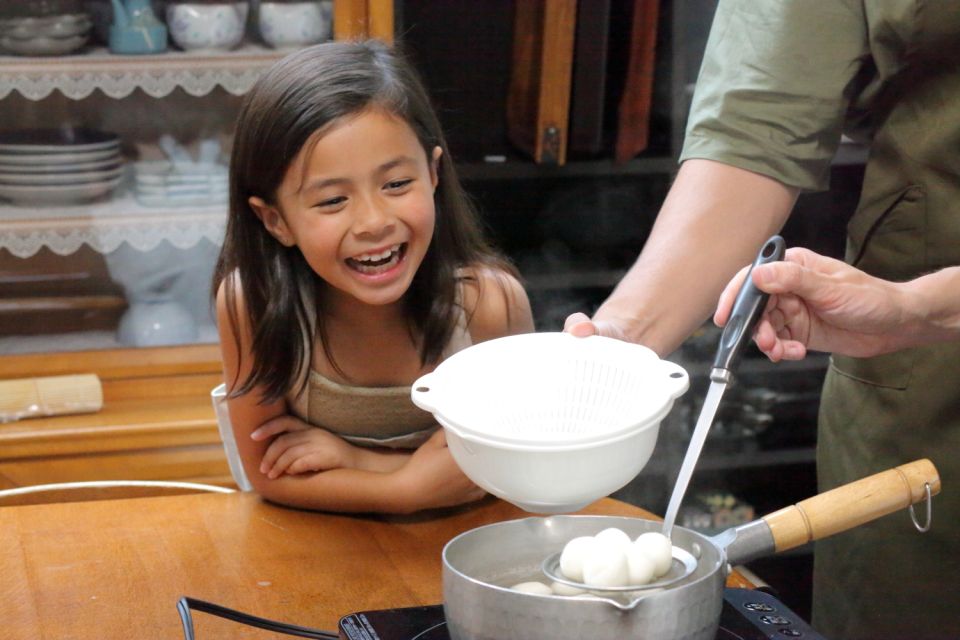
x=435 y=166
x=272 y=221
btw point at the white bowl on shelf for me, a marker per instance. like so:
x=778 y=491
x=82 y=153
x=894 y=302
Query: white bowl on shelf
x=207 y=27
x=295 y=24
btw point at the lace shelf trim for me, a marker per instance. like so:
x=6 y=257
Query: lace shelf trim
x=105 y=226
x=117 y=76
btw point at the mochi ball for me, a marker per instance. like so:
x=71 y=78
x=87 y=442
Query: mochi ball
x=640 y=567
x=573 y=556
x=606 y=567
x=536 y=588
x=658 y=548
x=614 y=537
x=561 y=589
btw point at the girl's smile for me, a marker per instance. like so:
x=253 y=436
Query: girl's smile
x=378 y=264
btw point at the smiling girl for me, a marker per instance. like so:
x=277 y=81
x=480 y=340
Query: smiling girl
x=352 y=265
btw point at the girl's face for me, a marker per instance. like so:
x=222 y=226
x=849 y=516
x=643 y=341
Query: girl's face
x=358 y=203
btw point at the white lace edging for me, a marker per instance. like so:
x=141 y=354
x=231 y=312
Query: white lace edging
x=118 y=76
x=105 y=226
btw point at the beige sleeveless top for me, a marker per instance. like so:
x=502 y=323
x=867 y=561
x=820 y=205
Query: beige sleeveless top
x=371 y=416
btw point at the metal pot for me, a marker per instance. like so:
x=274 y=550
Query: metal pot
x=479 y=566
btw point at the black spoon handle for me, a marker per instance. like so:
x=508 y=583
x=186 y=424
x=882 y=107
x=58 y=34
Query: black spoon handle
x=747 y=309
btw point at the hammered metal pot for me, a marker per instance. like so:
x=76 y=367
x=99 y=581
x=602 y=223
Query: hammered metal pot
x=480 y=565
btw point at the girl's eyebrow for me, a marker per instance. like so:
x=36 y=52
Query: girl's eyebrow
x=383 y=168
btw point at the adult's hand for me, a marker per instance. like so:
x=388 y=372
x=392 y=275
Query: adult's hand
x=581 y=326
x=821 y=304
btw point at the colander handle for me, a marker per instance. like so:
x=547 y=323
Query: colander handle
x=423 y=394
x=678 y=380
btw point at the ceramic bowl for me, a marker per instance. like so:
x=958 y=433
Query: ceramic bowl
x=295 y=24
x=207 y=27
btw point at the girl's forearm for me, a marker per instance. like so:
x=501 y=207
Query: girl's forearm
x=341 y=490
x=381 y=459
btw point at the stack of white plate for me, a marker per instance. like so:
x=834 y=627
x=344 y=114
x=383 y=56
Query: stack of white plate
x=58 y=166
x=45 y=35
x=173 y=184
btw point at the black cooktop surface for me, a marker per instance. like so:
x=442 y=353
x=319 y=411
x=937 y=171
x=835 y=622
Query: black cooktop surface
x=747 y=615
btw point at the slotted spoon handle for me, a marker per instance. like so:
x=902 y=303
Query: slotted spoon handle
x=747 y=309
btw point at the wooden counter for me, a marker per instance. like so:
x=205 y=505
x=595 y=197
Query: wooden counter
x=157 y=422
x=115 y=569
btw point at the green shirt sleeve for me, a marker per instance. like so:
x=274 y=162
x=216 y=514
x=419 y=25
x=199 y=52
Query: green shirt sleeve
x=775 y=84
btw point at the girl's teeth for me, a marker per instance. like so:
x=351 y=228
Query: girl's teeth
x=371 y=257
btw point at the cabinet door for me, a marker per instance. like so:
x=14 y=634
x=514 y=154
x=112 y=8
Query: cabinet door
x=538 y=103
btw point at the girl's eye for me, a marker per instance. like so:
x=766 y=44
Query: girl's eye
x=332 y=202
x=395 y=185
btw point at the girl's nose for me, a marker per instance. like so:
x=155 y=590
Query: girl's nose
x=372 y=219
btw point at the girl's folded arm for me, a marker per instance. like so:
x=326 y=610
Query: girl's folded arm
x=345 y=489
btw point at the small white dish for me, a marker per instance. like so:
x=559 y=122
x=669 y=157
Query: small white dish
x=43 y=45
x=72 y=140
x=82 y=177
x=60 y=194
x=60 y=159
x=66 y=167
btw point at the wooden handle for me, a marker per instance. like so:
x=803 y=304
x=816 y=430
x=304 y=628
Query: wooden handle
x=852 y=504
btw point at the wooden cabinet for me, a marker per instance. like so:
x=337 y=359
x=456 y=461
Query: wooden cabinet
x=157 y=422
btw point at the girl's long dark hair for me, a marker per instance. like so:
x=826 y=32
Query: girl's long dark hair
x=300 y=95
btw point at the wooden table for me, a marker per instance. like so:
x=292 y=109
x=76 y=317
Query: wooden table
x=115 y=569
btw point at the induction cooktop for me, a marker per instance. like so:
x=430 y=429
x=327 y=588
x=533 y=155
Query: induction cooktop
x=747 y=615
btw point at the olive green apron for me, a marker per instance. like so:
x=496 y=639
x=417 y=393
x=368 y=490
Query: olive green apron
x=885 y=579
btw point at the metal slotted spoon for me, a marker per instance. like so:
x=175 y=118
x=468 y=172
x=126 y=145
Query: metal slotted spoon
x=747 y=309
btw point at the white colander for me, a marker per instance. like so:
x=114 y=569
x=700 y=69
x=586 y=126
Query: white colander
x=548 y=421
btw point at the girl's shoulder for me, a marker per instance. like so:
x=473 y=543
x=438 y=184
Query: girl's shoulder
x=495 y=302
x=231 y=305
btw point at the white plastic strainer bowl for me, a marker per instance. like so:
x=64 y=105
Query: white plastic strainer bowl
x=548 y=421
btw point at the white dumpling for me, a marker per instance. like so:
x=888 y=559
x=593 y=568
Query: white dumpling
x=606 y=567
x=640 y=566
x=658 y=548
x=536 y=588
x=561 y=589
x=573 y=555
x=614 y=537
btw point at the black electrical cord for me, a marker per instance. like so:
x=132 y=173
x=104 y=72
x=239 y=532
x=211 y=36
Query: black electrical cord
x=186 y=603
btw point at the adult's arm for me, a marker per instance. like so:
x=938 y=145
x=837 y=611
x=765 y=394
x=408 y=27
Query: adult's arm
x=714 y=219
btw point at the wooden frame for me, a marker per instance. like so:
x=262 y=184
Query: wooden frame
x=538 y=102
x=362 y=19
